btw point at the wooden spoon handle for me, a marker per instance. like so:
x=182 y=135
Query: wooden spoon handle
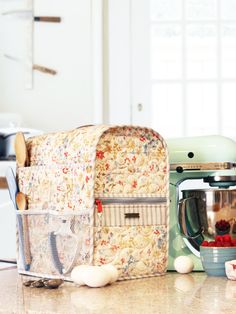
x=26 y=240
x=22 y=204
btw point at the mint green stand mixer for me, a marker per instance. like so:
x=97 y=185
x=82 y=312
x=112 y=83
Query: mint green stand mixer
x=196 y=162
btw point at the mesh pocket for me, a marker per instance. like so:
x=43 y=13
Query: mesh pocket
x=53 y=244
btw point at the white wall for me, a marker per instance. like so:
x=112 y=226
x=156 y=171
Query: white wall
x=90 y=69
x=127 y=71
x=118 y=76
x=66 y=100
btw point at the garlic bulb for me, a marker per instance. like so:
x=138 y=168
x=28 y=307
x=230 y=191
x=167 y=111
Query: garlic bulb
x=77 y=274
x=96 y=276
x=112 y=271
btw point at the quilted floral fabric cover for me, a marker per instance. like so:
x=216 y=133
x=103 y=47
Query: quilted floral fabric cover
x=69 y=172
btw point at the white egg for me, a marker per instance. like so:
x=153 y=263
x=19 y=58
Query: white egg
x=183 y=264
x=113 y=272
x=78 y=273
x=96 y=276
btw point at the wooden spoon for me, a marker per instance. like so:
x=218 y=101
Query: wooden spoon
x=21 y=201
x=22 y=204
x=22 y=157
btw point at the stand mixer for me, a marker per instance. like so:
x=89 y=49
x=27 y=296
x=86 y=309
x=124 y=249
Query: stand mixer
x=202 y=171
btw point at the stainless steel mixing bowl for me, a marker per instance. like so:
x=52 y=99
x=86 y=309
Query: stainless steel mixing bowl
x=200 y=210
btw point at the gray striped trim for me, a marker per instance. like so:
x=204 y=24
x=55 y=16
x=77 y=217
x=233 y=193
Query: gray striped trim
x=114 y=215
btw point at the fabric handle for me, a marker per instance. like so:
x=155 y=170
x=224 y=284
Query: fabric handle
x=55 y=254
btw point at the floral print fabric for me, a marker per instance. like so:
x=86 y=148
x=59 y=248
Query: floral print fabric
x=135 y=251
x=59 y=188
x=131 y=162
x=69 y=170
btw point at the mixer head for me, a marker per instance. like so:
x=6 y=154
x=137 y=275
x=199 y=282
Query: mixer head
x=212 y=158
x=201 y=150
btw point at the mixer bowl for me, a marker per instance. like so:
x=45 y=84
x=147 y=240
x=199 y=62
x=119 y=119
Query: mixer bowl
x=200 y=210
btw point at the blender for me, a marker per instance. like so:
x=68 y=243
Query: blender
x=202 y=177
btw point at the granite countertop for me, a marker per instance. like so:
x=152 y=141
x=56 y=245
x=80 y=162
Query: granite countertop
x=171 y=293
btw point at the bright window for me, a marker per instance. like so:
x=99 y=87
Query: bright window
x=193 y=67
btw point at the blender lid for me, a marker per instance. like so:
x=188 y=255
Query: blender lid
x=220 y=181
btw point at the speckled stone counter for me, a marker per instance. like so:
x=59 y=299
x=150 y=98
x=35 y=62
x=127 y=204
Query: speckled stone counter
x=172 y=293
